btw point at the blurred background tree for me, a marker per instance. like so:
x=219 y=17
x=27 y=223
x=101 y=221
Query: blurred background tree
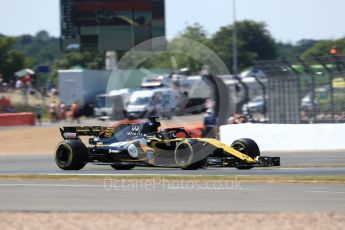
x=254 y=43
x=288 y=50
x=11 y=60
x=322 y=48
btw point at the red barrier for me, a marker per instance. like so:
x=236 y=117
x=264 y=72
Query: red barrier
x=14 y=119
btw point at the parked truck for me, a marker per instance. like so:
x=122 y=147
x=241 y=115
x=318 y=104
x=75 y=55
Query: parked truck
x=82 y=86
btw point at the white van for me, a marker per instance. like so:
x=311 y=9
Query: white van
x=112 y=104
x=162 y=102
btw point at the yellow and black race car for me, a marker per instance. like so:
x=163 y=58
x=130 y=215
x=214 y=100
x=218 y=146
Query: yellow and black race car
x=142 y=144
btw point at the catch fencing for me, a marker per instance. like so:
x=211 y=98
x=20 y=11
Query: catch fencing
x=305 y=90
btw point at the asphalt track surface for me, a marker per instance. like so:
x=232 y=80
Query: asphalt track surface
x=160 y=195
x=293 y=163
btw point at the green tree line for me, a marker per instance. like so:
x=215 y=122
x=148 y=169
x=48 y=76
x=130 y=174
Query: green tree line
x=254 y=43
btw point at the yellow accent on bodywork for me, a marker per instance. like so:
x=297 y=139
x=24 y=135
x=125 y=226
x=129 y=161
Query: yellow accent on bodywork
x=227 y=149
x=215 y=143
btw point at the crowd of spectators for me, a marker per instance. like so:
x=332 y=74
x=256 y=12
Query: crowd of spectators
x=6 y=105
x=62 y=112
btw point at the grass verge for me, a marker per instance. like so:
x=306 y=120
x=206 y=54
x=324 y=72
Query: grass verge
x=242 y=178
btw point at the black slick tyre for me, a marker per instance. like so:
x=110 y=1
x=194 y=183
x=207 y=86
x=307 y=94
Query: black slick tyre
x=122 y=167
x=71 y=155
x=248 y=147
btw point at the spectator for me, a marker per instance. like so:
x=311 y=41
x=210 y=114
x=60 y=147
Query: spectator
x=19 y=84
x=26 y=80
x=238 y=119
x=4 y=87
x=1 y=83
x=74 y=112
x=6 y=105
x=62 y=111
x=210 y=124
x=54 y=92
x=38 y=112
x=52 y=111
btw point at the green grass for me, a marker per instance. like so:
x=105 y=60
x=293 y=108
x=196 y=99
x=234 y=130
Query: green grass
x=202 y=178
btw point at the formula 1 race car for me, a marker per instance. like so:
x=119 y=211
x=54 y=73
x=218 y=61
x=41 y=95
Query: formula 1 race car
x=141 y=144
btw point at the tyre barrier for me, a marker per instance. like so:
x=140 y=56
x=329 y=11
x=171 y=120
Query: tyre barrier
x=17 y=119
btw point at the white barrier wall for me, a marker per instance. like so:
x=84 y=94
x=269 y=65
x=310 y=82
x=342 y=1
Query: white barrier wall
x=286 y=137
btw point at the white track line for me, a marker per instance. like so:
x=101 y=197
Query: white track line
x=126 y=186
x=154 y=186
x=52 y=185
x=332 y=192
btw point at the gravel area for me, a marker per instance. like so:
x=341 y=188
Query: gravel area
x=243 y=221
x=29 y=141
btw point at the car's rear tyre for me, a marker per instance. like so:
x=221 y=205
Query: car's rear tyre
x=122 y=167
x=71 y=155
x=248 y=147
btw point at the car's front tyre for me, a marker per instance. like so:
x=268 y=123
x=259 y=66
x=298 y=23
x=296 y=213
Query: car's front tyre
x=248 y=147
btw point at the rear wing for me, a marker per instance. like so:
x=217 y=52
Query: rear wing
x=73 y=132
